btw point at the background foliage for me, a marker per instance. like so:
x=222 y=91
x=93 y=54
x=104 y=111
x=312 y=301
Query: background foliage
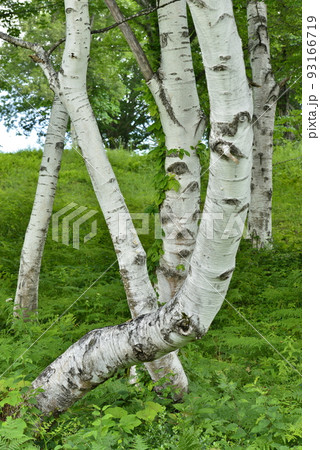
x=117 y=91
x=242 y=393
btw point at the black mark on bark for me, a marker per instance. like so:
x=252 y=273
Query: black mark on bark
x=140 y=259
x=178 y=168
x=218 y=148
x=231 y=201
x=193 y=186
x=226 y=275
x=231 y=128
x=164 y=37
x=246 y=206
x=219 y=68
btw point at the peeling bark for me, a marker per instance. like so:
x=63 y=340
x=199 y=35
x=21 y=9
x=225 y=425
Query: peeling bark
x=26 y=298
x=265 y=95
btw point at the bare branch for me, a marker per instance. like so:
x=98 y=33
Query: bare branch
x=56 y=45
x=40 y=57
x=144 y=12
x=20 y=42
x=131 y=39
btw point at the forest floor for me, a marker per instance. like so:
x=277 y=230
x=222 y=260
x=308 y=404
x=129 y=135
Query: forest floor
x=245 y=382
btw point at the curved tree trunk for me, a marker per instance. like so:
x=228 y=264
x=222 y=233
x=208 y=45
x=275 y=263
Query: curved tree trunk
x=183 y=126
x=130 y=253
x=26 y=298
x=188 y=315
x=265 y=95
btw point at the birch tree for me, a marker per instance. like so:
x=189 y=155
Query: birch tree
x=265 y=95
x=188 y=314
x=183 y=124
x=174 y=90
x=69 y=84
x=26 y=298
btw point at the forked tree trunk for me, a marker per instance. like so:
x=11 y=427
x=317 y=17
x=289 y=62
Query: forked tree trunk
x=130 y=253
x=183 y=126
x=174 y=90
x=26 y=298
x=265 y=95
x=100 y=353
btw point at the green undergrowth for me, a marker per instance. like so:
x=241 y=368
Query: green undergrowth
x=243 y=393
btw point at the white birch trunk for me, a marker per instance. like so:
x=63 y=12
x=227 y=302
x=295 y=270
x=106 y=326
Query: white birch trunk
x=130 y=253
x=71 y=88
x=188 y=315
x=175 y=92
x=26 y=298
x=265 y=95
x=183 y=126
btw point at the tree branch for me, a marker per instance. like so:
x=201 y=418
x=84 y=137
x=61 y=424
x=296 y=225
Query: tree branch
x=123 y=20
x=144 y=12
x=41 y=57
x=21 y=43
x=131 y=39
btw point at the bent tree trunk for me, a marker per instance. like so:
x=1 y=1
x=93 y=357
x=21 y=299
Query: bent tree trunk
x=130 y=253
x=183 y=124
x=187 y=316
x=265 y=95
x=26 y=298
x=70 y=86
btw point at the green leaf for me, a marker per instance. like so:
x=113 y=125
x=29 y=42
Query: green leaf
x=129 y=422
x=117 y=412
x=262 y=425
x=150 y=412
x=239 y=434
x=13 y=398
x=14 y=429
x=173 y=184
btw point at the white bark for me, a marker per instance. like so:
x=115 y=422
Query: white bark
x=265 y=95
x=183 y=126
x=72 y=91
x=26 y=298
x=231 y=135
x=187 y=316
x=130 y=253
x=175 y=92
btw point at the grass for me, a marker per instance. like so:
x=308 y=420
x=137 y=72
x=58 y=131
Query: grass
x=243 y=393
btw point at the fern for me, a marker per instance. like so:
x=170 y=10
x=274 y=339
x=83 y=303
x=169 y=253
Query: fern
x=188 y=440
x=140 y=443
